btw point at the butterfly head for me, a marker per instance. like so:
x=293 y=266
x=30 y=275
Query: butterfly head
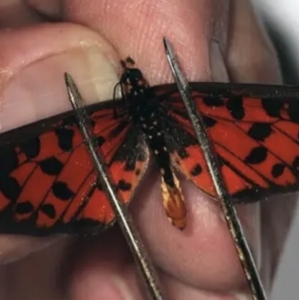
x=132 y=81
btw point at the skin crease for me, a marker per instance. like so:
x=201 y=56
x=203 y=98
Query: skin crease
x=199 y=263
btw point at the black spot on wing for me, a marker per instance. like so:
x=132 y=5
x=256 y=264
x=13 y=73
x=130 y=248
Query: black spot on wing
x=10 y=188
x=293 y=111
x=295 y=163
x=123 y=185
x=213 y=101
x=277 y=170
x=208 y=121
x=8 y=163
x=235 y=107
x=260 y=131
x=196 y=170
x=100 y=141
x=65 y=138
x=48 y=210
x=272 y=107
x=62 y=191
x=257 y=155
x=24 y=208
x=51 y=166
x=31 y=148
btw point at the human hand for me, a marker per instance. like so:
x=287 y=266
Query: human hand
x=198 y=263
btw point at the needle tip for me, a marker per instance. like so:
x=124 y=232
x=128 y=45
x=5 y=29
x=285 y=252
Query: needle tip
x=68 y=79
x=73 y=92
x=70 y=85
x=167 y=45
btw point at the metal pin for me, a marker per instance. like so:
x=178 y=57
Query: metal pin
x=232 y=220
x=123 y=217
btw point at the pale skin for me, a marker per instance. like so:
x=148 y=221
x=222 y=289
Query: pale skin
x=198 y=263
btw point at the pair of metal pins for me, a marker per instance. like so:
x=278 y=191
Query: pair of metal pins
x=124 y=219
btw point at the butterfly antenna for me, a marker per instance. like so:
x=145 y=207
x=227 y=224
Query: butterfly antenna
x=115 y=98
x=123 y=217
x=232 y=220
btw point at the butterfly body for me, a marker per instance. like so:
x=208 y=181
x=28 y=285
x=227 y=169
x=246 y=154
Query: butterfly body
x=47 y=179
x=146 y=119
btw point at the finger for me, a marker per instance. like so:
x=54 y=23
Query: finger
x=191 y=38
x=14 y=70
x=32 y=63
x=204 y=251
x=35 y=277
x=135 y=19
x=192 y=47
x=15 y=13
x=161 y=77
x=30 y=69
x=252 y=58
x=250 y=55
x=49 y=8
x=106 y=271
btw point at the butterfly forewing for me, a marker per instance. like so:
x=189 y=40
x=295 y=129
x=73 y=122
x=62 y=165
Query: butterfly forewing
x=47 y=180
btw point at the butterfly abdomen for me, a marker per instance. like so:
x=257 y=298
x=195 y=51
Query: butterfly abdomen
x=147 y=117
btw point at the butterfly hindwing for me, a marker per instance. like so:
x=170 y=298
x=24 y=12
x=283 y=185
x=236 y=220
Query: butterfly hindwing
x=48 y=183
x=255 y=138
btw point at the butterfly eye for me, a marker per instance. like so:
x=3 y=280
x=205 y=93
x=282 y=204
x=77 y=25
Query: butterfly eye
x=135 y=74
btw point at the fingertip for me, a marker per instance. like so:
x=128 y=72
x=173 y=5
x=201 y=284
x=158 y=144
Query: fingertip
x=50 y=8
x=36 y=89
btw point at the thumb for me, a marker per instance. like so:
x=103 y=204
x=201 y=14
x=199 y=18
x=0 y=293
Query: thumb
x=32 y=63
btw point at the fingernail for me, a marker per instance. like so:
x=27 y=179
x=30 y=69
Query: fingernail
x=242 y=296
x=124 y=290
x=100 y=285
x=38 y=91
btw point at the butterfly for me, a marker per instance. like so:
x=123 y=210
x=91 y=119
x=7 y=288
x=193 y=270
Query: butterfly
x=47 y=179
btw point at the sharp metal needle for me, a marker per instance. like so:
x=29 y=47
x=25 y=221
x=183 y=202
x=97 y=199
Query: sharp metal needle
x=232 y=220
x=123 y=217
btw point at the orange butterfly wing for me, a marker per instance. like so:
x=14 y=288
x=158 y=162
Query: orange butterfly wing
x=255 y=138
x=47 y=181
